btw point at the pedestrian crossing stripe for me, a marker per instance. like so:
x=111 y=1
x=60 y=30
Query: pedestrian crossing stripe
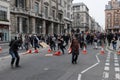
x=116 y=64
x=117 y=69
x=105 y=75
x=49 y=55
x=106 y=68
x=117 y=76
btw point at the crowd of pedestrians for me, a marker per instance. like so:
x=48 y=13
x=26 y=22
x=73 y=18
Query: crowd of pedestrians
x=75 y=41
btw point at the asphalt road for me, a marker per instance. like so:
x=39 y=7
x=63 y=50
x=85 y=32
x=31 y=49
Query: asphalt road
x=38 y=66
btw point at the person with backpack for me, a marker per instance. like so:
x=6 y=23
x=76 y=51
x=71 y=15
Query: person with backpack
x=13 y=51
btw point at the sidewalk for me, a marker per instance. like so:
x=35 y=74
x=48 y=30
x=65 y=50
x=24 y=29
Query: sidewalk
x=4 y=43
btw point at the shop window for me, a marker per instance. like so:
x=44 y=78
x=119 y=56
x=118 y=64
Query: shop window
x=24 y=25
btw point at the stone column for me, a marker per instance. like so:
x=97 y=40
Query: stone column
x=28 y=25
x=20 y=25
x=28 y=4
x=58 y=29
x=44 y=28
x=52 y=28
x=33 y=25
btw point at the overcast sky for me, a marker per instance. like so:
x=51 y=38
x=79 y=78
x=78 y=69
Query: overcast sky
x=96 y=9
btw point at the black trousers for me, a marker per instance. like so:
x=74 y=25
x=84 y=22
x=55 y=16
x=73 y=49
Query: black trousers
x=74 y=58
x=16 y=57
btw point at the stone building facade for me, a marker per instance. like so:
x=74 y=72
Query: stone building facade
x=4 y=21
x=82 y=20
x=80 y=17
x=38 y=16
x=112 y=16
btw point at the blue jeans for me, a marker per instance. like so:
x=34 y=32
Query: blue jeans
x=12 y=53
x=114 y=46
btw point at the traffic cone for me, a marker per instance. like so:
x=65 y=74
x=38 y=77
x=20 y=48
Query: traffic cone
x=118 y=52
x=0 y=48
x=29 y=51
x=49 y=50
x=84 y=51
x=36 y=51
x=58 y=53
x=102 y=51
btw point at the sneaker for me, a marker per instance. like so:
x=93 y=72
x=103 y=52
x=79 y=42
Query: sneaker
x=75 y=62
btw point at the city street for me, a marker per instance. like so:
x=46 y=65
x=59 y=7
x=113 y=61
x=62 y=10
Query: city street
x=30 y=29
x=39 y=66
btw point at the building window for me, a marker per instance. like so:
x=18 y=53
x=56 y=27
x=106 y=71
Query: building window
x=20 y=3
x=68 y=14
x=60 y=16
x=3 y=15
x=65 y=13
x=78 y=8
x=53 y=14
x=109 y=20
x=24 y=25
x=46 y=12
x=65 y=4
x=116 y=20
x=36 y=7
x=21 y=25
x=60 y=2
x=78 y=16
x=68 y=7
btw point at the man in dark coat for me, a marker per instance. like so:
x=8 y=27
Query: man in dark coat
x=13 y=50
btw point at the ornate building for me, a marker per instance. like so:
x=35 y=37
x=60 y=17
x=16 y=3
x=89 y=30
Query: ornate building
x=39 y=16
x=112 y=16
x=80 y=17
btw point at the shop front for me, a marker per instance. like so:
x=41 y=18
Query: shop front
x=4 y=32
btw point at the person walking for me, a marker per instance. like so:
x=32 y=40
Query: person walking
x=26 y=42
x=114 y=43
x=60 y=45
x=13 y=51
x=75 y=50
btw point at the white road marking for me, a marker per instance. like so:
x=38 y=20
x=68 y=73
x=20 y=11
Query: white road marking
x=89 y=68
x=117 y=76
x=79 y=76
x=117 y=69
x=48 y=54
x=45 y=69
x=116 y=64
x=107 y=60
x=105 y=75
x=107 y=64
x=106 y=68
x=115 y=60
